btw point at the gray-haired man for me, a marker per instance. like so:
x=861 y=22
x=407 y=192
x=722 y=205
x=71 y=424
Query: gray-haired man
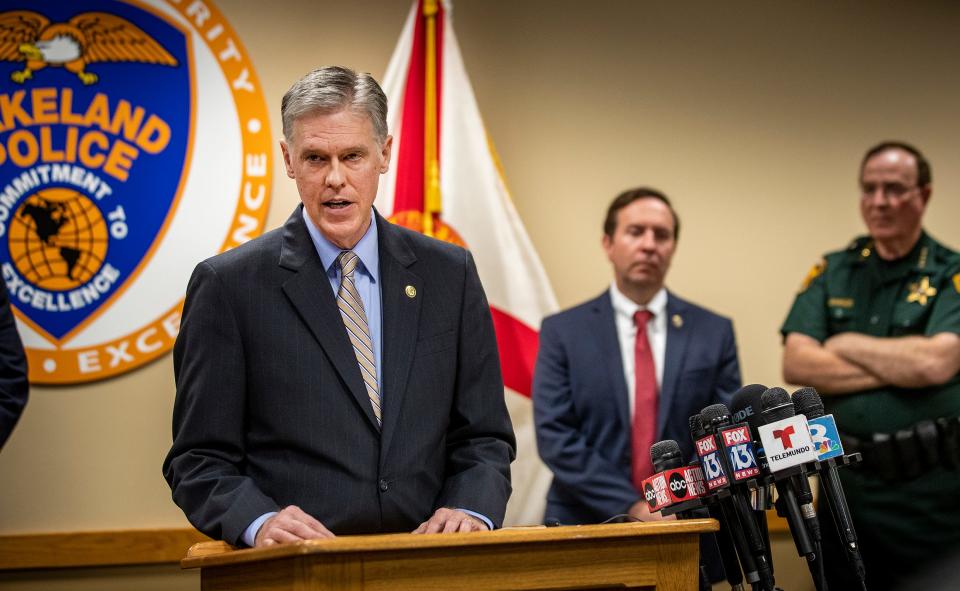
x=338 y=374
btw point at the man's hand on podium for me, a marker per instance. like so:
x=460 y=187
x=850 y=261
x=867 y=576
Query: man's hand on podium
x=290 y=525
x=641 y=511
x=447 y=521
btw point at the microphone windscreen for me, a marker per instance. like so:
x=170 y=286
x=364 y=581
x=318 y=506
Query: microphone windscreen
x=746 y=406
x=776 y=405
x=714 y=412
x=662 y=448
x=807 y=402
x=666 y=455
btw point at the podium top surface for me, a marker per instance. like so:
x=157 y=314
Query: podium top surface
x=207 y=554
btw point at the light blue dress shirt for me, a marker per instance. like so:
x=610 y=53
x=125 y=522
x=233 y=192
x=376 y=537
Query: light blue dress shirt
x=367 y=280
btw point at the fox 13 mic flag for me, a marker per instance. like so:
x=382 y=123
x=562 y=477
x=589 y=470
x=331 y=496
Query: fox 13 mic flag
x=446 y=182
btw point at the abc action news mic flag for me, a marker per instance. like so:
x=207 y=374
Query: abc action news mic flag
x=445 y=181
x=672 y=488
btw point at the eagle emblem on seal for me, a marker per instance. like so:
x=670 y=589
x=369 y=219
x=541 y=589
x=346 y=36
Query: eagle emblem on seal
x=89 y=37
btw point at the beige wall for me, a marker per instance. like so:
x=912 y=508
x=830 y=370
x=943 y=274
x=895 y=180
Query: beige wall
x=752 y=116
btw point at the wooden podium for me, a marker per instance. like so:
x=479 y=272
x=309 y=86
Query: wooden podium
x=661 y=555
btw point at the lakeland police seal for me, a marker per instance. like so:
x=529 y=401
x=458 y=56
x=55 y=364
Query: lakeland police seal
x=134 y=142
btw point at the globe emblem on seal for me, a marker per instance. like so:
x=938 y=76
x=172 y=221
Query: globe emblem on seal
x=122 y=165
x=58 y=239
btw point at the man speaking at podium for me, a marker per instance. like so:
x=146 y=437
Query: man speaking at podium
x=875 y=329
x=338 y=375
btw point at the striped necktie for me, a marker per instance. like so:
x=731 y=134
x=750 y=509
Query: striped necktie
x=354 y=318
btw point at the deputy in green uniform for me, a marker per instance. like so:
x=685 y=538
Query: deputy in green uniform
x=875 y=330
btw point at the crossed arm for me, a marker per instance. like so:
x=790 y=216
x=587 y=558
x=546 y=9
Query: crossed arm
x=853 y=362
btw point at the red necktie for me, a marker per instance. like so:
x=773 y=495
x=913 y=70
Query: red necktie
x=645 y=410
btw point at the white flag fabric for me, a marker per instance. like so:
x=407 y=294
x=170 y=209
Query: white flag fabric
x=477 y=206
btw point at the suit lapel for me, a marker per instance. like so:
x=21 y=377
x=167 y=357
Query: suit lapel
x=678 y=336
x=608 y=344
x=401 y=321
x=308 y=289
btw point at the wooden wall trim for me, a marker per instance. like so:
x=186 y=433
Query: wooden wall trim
x=100 y=548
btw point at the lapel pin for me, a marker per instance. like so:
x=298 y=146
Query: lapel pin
x=677 y=321
x=411 y=291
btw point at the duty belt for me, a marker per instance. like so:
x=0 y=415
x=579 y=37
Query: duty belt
x=909 y=453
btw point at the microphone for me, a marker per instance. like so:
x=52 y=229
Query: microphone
x=735 y=439
x=729 y=544
x=745 y=408
x=784 y=405
x=826 y=438
x=823 y=427
x=734 y=447
x=673 y=488
x=788 y=446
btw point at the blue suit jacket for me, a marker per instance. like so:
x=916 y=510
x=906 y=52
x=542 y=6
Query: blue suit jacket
x=581 y=407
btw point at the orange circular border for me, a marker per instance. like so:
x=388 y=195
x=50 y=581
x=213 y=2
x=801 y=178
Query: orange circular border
x=79 y=365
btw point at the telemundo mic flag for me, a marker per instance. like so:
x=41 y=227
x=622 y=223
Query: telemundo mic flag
x=445 y=181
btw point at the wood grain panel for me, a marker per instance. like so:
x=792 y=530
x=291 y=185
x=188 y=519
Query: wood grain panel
x=128 y=547
x=102 y=548
x=661 y=556
x=217 y=553
x=577 y=564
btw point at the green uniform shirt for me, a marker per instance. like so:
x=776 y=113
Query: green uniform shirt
x=854 y=290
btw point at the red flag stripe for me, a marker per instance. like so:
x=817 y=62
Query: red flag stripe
x=409 y=191
x=518 y=344
x=409 y=183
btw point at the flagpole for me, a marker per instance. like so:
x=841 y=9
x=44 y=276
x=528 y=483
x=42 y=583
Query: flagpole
x=431 y=163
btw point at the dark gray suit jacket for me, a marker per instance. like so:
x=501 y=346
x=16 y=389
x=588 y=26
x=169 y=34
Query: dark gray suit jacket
x=14 y=387
x=271 y=409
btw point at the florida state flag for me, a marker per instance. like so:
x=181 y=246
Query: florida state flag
x=445 y=182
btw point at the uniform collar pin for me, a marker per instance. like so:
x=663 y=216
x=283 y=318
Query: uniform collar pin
x=411 y=291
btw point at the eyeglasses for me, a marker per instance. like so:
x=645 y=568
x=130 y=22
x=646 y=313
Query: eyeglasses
x=890 y=191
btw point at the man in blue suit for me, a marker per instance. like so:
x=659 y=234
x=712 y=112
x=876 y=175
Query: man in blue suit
x=626 y=369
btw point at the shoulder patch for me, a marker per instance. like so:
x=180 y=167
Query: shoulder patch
x=813 y=273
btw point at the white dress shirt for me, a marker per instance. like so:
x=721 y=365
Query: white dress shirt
x=623 y=311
